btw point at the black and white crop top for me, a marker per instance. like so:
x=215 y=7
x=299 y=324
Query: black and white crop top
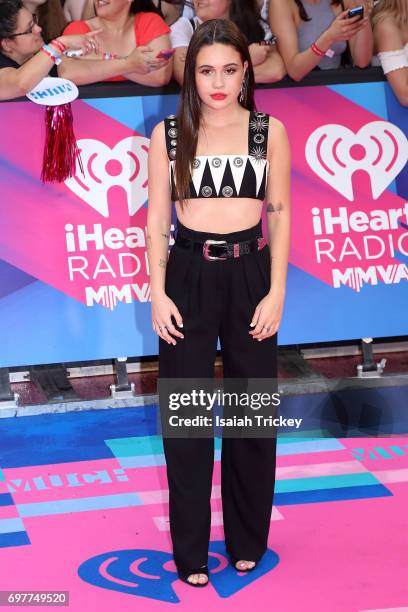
x=226 y=176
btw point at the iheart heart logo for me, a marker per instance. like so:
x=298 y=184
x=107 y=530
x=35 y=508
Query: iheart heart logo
x=334 y=153
x=123 y=166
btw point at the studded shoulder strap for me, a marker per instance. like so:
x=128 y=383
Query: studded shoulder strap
x=258 y=135
x=170 y=126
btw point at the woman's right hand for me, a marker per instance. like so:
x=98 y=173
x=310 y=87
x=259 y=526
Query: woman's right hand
x=141 y=61
x=342 y=28
x=163 y=308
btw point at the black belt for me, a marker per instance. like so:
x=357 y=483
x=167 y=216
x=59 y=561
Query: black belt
x=221 y=249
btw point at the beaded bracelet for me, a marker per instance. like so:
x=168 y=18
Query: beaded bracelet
x=110 y=56
x=51 y=54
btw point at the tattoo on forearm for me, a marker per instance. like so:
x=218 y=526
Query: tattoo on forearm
x=274 y=208
x=162 y=263
x=166 y=236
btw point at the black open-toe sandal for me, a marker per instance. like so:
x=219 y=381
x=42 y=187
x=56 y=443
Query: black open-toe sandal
x=184 y=574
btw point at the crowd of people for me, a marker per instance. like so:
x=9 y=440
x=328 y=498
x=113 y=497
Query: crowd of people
x=88 y=41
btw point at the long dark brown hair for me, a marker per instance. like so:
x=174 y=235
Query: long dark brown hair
x=247 y=16
x=9 y=10
x=51 y=18
x=189 y=110
x=302 y=11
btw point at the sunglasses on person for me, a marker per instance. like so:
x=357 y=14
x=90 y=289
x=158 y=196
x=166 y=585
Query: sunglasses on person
x=29 y=29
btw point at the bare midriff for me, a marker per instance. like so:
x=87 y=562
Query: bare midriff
x=220 y=215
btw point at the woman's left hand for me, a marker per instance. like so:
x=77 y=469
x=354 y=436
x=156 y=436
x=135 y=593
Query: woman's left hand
x=267 y=316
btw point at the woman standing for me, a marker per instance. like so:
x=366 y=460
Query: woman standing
x=314 y=33
x=390 y=21
x=218 y=282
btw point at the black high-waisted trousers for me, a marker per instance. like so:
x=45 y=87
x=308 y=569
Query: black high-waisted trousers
x=218 y=299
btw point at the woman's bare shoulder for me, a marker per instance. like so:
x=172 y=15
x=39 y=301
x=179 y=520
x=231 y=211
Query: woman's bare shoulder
x=158 y=138
x=388 y=35
x=158 y=131
x=387 y=24
x=276 y=127
x=277 y=135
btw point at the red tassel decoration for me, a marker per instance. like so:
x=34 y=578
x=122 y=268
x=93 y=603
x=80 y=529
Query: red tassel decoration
x=61 y=150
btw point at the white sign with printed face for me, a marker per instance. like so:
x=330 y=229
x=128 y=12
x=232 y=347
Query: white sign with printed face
x=53 y=91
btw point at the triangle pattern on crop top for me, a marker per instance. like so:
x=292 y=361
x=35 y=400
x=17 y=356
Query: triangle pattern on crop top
x=226 y=176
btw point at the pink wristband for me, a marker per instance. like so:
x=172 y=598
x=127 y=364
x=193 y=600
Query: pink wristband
x=316 y=50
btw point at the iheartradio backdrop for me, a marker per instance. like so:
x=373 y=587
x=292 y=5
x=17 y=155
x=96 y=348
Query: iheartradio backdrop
x=74 y=277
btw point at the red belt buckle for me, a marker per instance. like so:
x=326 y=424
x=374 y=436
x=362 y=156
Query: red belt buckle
x=206 y=247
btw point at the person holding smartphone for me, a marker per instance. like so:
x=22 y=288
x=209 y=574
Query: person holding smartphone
x=132 y=35
x=315 y=33
x=219 y=160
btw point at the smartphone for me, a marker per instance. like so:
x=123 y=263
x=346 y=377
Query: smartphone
x=358 y=11
x=165 y=54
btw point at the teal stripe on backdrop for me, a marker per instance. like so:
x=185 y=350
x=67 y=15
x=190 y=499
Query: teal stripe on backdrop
x=325 y=482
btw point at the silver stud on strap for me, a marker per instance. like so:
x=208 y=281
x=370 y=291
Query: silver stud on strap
x=206 y=191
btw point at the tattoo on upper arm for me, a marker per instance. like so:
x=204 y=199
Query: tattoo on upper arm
x=271 y=208
x=162 y=263
x=166 y=236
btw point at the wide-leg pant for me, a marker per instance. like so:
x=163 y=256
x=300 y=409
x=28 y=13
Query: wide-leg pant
x=218 y=299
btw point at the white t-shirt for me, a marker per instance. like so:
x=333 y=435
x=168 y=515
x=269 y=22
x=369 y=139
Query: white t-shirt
x=188 y=12
x=182 y=31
